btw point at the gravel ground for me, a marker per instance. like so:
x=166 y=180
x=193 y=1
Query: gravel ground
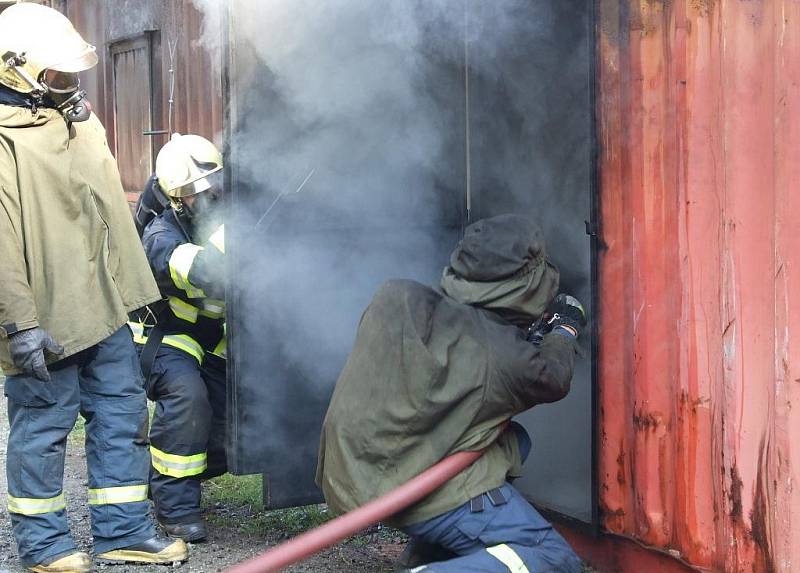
x=234 y=533
x=372 y=551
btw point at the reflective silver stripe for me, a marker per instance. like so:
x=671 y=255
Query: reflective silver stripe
x=180 y=263
x=35 y=506
x=508 y=557
x=218 y=239
x=183 y=309
x=186 y=343
x=178 y=466
x=213 y=308
x=119 y=494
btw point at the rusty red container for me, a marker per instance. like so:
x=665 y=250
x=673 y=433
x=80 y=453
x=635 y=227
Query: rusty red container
x=699 y=133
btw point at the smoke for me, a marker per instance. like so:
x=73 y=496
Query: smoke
x=371 y=96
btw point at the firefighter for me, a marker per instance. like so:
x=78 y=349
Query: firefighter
x=183 y=351
x=71 y=268
x=434 y=372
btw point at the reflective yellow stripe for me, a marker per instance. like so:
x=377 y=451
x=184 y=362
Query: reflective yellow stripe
x=213 y=308
x=137 y=328
x=183 y=310
x=180 y=263
x=35 y=506
x=508 y=557
x=178 y=466
x=119 y=494
x=186 y=343
x=218 y=239
x=221 y=349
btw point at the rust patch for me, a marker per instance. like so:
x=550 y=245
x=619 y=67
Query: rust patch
x=621 y=466
x=735 y=494
x=613 y=520
x=759 y=515
x=644 y=421
x=703 y=7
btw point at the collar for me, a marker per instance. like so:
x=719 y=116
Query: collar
x=17 y=99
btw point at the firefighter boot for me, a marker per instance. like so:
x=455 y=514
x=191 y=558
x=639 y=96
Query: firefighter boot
x=190 y=532
x=417 y=553
x=78 y=562
x=154 y=550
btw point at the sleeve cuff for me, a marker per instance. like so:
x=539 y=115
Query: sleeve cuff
x=9 y=328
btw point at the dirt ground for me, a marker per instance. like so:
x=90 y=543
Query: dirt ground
x=238 y=529
x=232 y=537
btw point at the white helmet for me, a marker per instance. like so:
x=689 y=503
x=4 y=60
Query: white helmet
x=184 y=164
x=34 y=39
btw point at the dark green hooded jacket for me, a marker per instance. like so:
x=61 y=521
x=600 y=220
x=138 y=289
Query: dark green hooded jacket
x=430 y=375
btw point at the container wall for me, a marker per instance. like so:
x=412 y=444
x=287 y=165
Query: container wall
x=699 y=111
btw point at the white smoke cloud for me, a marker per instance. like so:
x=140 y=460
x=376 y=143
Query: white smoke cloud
x=370 y=95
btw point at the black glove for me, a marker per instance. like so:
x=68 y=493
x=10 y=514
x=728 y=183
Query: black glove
x=27 y=351
x=565 y=310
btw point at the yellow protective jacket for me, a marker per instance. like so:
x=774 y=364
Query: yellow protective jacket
x=70 y=258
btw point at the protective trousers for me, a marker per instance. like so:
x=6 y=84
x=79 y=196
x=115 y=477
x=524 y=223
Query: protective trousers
x=187 y=437
x=498 y=531
x=104 y=384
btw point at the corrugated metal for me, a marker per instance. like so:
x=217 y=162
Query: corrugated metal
x=130 y=64
x=165 y=24
x=699 y=105
x=198 y=104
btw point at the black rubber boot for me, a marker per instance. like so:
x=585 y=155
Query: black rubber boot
x=419 y=553
x=191 y=532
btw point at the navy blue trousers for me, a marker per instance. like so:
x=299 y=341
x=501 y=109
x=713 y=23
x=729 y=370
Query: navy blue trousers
x=104 y=384
x=512 y=536
x=188 y=426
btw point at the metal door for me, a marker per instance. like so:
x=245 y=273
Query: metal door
x=132 y=108
x=399 y=123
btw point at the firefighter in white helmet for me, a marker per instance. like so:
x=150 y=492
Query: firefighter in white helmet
x=183 y=348
x=71 y=269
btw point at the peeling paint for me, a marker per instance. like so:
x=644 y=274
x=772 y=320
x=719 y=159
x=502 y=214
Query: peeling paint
x=735 y=494
x=700 y=105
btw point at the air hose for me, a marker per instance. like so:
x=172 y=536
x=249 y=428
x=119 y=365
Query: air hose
x=344 y=526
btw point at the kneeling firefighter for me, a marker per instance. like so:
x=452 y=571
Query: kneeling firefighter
x=182 y=342
x=435 y=372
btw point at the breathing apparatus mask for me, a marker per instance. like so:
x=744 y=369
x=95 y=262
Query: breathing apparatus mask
x=205 y=205
x=64 y=94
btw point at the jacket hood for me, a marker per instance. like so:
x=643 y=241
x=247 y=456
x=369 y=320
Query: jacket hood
x=501 y=265
x=13 y=116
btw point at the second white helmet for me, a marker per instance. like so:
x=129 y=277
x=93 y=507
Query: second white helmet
x=184 y=164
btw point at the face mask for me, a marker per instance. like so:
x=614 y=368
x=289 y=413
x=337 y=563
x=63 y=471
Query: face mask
x=63 y=91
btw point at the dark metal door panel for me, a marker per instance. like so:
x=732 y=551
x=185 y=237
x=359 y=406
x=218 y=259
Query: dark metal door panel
x=404 y=116
x=531 y=153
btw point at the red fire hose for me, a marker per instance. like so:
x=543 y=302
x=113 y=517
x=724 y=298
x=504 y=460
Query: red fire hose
x=351 y=523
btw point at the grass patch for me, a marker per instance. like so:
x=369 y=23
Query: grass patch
x=235 y=502
x=228 y=489
x=78 y=433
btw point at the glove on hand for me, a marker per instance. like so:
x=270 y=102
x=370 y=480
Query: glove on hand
x=27 y=351
x=566 y=311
